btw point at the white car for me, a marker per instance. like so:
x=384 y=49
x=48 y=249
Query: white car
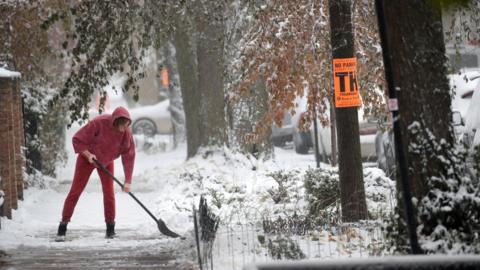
x=147 y=120
x=152 y=119
x=367 y=132
x=284 y=133
x=304 y=140
x=465 y=85
x=472 y=118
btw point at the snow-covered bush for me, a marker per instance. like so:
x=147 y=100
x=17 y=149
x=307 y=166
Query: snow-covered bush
x=295 y=224
x=322 y=193
x=379 y=192
x=44 y=132
x=39 y=180
x=284 y=191
x=448 y=215
x=283 y=247
x=475 y=156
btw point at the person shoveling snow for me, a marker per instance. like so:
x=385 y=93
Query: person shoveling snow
x=104 y=139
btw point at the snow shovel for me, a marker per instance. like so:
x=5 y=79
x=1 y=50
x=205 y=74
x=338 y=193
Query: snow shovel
x=161 y=225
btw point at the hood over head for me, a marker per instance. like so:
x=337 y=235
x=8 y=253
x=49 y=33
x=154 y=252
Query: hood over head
x=120 y=112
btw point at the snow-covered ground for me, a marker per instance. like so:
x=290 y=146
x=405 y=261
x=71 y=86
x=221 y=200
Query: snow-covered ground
x=36 y=220
x=234 y=185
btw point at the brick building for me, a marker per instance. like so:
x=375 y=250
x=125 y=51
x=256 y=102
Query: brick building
x=11 y=140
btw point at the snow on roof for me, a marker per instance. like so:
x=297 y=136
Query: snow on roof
x=5 y=73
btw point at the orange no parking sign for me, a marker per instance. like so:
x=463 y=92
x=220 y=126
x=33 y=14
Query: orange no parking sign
x=345 y=82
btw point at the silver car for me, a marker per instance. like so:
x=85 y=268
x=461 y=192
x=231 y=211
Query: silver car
x=152 y=119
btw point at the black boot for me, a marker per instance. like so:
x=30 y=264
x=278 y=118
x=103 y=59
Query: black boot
x=110 y=230
x=62 y=231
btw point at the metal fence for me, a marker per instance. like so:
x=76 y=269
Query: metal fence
x=232 y=245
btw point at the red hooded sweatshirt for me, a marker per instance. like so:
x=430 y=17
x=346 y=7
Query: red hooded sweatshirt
x=101 y=138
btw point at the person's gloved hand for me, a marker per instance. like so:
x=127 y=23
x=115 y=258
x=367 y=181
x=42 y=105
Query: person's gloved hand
x=89 y=156
x=126 y=187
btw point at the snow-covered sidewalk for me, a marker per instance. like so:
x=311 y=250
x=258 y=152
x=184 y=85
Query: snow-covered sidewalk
x=33 y=227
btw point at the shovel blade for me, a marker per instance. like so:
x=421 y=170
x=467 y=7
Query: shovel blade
x=165 y=230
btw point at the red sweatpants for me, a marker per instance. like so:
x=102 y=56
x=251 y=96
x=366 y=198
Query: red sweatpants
x=83 y=170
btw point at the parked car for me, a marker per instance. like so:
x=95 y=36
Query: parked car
x=471 y=131
x=284 y=133
x=465 y=117
x=152 y=119
x=367 y=131
x=147 y=120
x=304 y=140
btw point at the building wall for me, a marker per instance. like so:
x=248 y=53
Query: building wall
x=11 y=143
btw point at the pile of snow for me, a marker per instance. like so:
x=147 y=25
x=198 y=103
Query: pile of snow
x=5 y=73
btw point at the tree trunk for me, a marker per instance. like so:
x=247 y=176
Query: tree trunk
x=210 y=54
x=187 y=70
x=6 y=37
x=352 y=189
x=175 y=96
x=243 y=116
x=201 y=66
x=417 y=55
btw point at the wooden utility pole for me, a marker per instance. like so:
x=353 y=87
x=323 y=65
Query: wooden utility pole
x=352 y=190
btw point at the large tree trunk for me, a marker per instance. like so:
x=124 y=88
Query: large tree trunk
x=211 y=34
x=187 y=70
x=201 y=65
x=352 y=190
x=417 y=56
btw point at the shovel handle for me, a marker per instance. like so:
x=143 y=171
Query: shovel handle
x=129 y=193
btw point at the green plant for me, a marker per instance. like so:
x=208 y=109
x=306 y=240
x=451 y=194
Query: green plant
x=285 y=181
x=322 y=192
x=283 y=247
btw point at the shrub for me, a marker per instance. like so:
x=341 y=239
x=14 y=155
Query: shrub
x=283 y=247
x=285 y=191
